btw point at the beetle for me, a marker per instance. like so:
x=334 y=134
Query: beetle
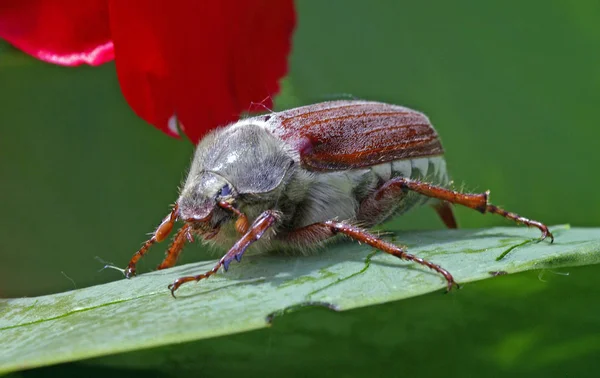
x=305 y=175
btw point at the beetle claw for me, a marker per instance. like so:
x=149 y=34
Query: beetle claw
x=129 y=272
x=226 y=263
x=547 y=234
x=172 y=287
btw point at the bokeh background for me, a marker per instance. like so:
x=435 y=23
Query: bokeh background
x=513 y=89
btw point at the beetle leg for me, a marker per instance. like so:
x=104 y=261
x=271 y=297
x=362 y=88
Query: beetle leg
x=255 y=232
x=162 y=231
x=444 y=211
x=183 y=235
x=241 y=224
x=320 y=231
x=477 y=202
x=377 y=207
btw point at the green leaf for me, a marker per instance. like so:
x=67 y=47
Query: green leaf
x=140 y=313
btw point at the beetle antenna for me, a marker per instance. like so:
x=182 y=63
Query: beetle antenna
x=242 y=224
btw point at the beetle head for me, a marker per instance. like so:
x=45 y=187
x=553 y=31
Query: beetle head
x=201 y=196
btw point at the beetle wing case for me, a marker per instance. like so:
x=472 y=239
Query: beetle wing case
x=341 y=135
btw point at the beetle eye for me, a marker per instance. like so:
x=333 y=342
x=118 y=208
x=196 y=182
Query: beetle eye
x=225 y=191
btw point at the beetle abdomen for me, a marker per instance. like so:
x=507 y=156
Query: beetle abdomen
x=339 y=194
x=428 y=169
x=432 y=169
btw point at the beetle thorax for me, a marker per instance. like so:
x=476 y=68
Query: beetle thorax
x=243 y=165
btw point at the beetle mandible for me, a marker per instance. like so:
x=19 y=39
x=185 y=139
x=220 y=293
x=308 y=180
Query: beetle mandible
x=307 y=174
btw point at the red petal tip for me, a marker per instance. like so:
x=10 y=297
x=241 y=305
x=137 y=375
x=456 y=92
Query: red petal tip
x=100 y=55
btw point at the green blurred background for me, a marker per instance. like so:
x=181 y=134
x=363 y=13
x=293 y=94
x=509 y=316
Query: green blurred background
x=513 y=89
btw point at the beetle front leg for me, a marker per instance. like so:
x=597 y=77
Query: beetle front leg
x=254 y=233
x=174 y=250
x=161 y=233
x=477 y=202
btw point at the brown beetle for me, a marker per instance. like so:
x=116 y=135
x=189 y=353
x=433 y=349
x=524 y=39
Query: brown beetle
x=307 y=174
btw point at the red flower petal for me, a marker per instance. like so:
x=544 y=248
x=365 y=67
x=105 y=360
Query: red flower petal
x=270 y=23
x=65 y=32
x=205 y=62
x=137 y=28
